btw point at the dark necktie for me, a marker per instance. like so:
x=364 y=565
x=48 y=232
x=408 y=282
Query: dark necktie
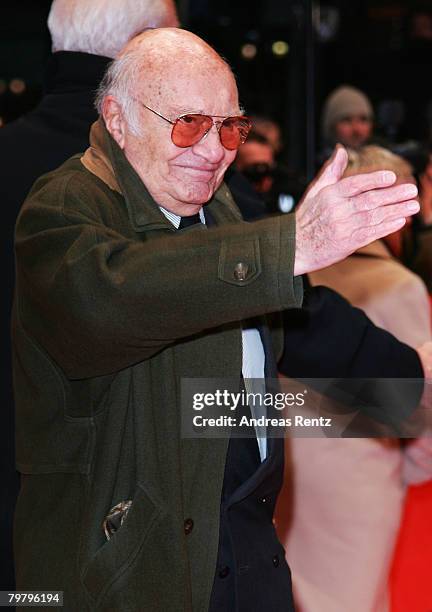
x=188 y=221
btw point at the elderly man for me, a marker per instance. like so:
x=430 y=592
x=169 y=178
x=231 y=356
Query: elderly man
x=85 y=37
x=118 y=298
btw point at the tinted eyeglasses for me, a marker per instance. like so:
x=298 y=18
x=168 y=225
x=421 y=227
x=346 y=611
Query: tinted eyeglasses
x=188 y=129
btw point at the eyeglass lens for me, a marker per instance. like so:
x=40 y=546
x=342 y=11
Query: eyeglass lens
x=189 y=129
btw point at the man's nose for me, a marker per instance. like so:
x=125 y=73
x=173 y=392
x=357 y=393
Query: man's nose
x=210 y=146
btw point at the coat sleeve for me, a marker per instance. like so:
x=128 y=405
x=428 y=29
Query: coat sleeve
x=330 y=339
x=98 y=301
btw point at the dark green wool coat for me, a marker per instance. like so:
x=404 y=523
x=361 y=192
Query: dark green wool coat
x=113 y=307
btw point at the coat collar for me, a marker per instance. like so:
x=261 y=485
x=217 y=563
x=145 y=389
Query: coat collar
x=72 y=72
x=106 y=160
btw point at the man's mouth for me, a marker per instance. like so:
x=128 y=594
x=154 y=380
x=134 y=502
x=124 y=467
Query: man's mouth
x=203 y=173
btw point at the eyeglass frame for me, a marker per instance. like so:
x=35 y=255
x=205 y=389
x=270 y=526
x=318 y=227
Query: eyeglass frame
x=218 y=127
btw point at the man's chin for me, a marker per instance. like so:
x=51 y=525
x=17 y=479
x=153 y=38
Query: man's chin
x=198 y=193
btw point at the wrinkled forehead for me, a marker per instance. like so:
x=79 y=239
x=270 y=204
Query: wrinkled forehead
x=202 y=85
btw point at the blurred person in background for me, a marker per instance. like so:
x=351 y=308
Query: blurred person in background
x=86 y=36
x=348 y=494
x=422 y=263
x=425 y=193
x=270 y=130
x=255 y=159
x=367 y=159
x=261 y=162
x=348 y=118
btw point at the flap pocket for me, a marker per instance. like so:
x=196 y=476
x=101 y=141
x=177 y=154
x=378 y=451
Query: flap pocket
x=120 y=553
x=240 y=261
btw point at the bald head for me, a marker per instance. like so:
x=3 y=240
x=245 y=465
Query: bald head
x=162 y=43
x=157 y=62
x=170 y=57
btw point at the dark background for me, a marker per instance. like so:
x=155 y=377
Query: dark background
x=383 y=47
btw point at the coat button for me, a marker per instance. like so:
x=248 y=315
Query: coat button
x=224 y=571
x=188 y=526
x=240 y=271
x=275 y=560
x=263 y=500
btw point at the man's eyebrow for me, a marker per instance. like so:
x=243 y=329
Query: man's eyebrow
x=179 y=111
x=188 y=111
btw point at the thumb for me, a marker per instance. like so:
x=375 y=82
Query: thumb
x=331 y=172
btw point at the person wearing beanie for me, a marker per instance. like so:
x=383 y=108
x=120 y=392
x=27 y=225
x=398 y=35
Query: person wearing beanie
x=347 y=118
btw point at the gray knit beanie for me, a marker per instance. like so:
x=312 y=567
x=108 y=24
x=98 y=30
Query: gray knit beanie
x=344 y=101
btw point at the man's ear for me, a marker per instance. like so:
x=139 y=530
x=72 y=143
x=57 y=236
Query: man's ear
x=114 y=120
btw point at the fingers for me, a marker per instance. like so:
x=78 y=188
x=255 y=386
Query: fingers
x=365 y=235
x=384 y=220
x=354 y=185
x=331 y=172
x=390 y=212
x=382 y=197
x=343 y=215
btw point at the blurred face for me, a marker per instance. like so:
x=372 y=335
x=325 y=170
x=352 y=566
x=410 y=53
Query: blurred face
x=353 y=131
x=253 y=152
x=271 y=133
x=255 y=160
x=182 y=179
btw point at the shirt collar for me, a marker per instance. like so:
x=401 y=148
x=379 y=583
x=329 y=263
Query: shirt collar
x=175 y=219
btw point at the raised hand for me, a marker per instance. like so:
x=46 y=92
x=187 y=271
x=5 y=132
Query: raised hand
x=339 y=215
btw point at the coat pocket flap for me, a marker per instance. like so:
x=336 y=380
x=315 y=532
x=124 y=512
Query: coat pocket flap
x=121 y=552
x=239 y=261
